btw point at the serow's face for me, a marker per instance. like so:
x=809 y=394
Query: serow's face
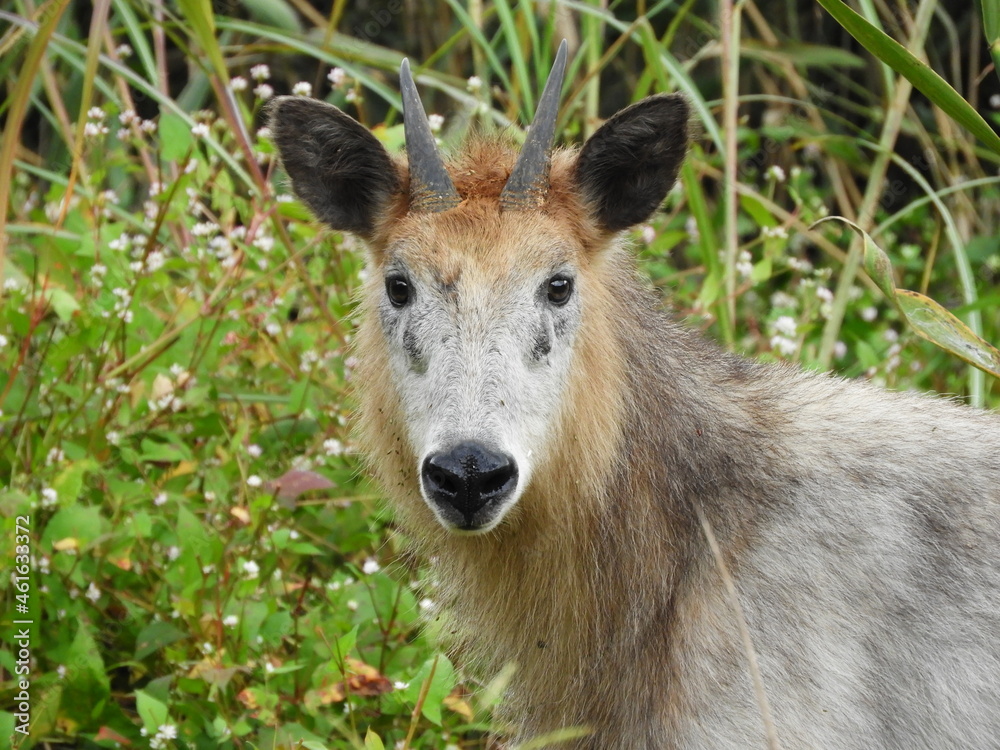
x=480 y=344
x=480 y=274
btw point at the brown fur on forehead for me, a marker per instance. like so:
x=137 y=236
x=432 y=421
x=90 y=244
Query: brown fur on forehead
x=479 y=175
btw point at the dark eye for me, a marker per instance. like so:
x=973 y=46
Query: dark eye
x=398 y=290
x=559 y=289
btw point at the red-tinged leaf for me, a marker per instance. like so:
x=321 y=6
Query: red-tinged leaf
x=106 y=733
x=294 y=483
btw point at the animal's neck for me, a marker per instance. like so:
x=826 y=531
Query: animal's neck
x=580 y=587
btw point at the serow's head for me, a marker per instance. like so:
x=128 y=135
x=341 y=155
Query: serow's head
x=485 y=301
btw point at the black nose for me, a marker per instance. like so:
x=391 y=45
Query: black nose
x=466 y=478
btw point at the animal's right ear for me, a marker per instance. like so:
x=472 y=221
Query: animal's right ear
x=626 y=168
x=337 y=167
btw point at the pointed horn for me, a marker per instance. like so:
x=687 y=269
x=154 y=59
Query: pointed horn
x=431 y=188
x=529 y=180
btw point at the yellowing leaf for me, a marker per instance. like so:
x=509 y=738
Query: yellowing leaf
x=927 y=318
x=61 y=545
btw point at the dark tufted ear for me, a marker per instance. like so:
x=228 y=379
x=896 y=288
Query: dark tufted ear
x=626 y=168
x=338 y=168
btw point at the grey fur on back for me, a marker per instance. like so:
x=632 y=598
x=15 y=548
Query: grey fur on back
x=862 y=529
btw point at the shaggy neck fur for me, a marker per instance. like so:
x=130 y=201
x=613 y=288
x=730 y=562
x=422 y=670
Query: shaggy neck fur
x=583 y=588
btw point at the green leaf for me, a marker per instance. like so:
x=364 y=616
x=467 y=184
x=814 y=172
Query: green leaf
x=156 y=452
x=155 y=636
x=153 y=713
x=373 y=741
x=991 y=27
x=925 y=316
x=176 y=140
x=192 y=534
x=202 y=19
x=929 y=83
x=437 y=678
x=345 y=644
x=75 y=522
x=274 y=13
x=86 y=685
x=69 y=484
x=63 y=303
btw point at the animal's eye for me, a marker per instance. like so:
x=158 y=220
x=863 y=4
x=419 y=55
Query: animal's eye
x=397 y=289
x=559 y=289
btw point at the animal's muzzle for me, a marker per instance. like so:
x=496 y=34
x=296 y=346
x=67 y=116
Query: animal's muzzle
x=468 y=483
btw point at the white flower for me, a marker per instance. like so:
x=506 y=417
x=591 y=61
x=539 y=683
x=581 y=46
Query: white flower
x=238 y=83
x=93 y=593
x=824 y=294
x=155 y=261
x=474 y=85
x=436 y=122
x=333 y=447
x=61 y=671
x=648 y=234
x=776 y=173
x=123 y=51
x=148 y=126
x=336 y=76
x=169 y=731
x=264 y=92
x=302 y=88
x=995 y=101
x=254 y=481
x=94 y=129
x=96 y=113
x=255 y=450
x=230 y=621
x=49 y=497
x=783 y=299
x=173 y=552
x=204 y=228
x=160 y=499
x=200 y=130
x=260 y=72
x=207 y=648
x=691 y=227
x=352 y=605
x=785 y=325
x=251 y=569
x=3 y=341
x=869 y=314
x=426 y=604
x=371 y=566
x=744 y=265
x=785 y=346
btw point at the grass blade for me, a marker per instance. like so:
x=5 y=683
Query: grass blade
x=929 y=83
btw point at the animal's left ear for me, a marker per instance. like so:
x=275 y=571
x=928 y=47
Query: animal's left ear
x=338 y=168
x=626 y=168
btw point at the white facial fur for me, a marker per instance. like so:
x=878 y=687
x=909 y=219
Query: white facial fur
x=481 y=356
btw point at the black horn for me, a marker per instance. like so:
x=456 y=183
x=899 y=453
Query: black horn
x=529 y=180
x=431 y=188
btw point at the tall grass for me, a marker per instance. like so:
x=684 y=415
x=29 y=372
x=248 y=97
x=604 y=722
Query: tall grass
x=209 y=567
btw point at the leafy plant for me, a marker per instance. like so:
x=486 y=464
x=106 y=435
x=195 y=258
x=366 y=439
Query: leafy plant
x=209 y=566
